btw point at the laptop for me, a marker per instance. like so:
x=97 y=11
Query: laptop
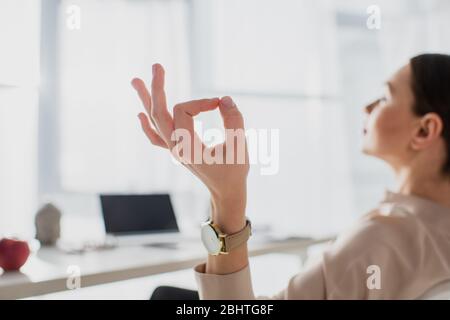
x=144 y=219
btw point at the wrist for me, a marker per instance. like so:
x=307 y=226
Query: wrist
x=229 y=214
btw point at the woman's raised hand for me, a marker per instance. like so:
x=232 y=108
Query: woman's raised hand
x=223 y=168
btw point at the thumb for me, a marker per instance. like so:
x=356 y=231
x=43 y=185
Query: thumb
x=232 y=117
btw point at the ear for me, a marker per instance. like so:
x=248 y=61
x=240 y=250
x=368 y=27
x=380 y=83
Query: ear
x=428 y=130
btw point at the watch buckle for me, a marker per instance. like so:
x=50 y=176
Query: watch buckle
x=223 y=249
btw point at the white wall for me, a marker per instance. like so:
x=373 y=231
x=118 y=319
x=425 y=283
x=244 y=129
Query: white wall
x=19 y=76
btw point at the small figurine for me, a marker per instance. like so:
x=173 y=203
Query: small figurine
x=47 y=223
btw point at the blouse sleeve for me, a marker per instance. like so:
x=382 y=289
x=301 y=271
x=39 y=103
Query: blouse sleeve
x=370 y=261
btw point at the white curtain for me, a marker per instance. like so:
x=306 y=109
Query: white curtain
x=284 y=47
x=419 y=26
x=102 y=146
x=279 y=61
x=19 y=74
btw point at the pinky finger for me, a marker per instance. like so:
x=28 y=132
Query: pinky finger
x=151 y=134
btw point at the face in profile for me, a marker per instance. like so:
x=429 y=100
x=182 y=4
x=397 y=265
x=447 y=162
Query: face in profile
x=390 y=120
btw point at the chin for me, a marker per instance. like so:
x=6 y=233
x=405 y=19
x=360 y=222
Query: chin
x=369 y=145
x=368 y=150
x=372 y=152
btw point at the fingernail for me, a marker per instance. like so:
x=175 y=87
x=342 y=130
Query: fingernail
x=153 y=69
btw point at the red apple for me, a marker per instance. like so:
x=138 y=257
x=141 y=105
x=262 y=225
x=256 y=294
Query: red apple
x=13 y=253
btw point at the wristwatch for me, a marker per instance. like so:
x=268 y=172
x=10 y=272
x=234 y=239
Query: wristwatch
x=217 y=243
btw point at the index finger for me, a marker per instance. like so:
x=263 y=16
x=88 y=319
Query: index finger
x=183 y=113
x=161 y=116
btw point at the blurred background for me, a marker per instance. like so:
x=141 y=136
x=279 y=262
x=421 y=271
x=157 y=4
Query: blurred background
x=68 y=125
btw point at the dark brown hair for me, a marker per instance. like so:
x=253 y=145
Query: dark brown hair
x=431 y=87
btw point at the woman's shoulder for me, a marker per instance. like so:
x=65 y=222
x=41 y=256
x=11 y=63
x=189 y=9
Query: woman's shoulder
x=375 y=231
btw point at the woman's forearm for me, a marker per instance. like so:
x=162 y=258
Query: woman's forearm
x=229 y=216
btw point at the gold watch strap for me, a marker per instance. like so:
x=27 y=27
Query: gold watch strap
x=234 y=240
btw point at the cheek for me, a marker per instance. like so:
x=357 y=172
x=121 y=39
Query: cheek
x=387 y=131
x=387 y=123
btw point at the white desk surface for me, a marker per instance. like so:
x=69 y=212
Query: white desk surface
x=47 y=270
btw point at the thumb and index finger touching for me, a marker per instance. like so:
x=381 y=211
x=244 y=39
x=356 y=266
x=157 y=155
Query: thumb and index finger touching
x=183 y=113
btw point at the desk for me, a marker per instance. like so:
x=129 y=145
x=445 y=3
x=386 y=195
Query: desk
x=47 y=270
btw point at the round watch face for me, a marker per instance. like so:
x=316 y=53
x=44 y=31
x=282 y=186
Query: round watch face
x=210 y=239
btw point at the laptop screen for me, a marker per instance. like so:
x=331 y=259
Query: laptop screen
x=138 y=214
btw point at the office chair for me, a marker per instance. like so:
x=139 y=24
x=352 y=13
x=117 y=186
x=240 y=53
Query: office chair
x=174 y=293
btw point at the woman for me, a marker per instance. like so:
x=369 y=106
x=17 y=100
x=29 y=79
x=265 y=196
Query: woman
x=405 y=240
